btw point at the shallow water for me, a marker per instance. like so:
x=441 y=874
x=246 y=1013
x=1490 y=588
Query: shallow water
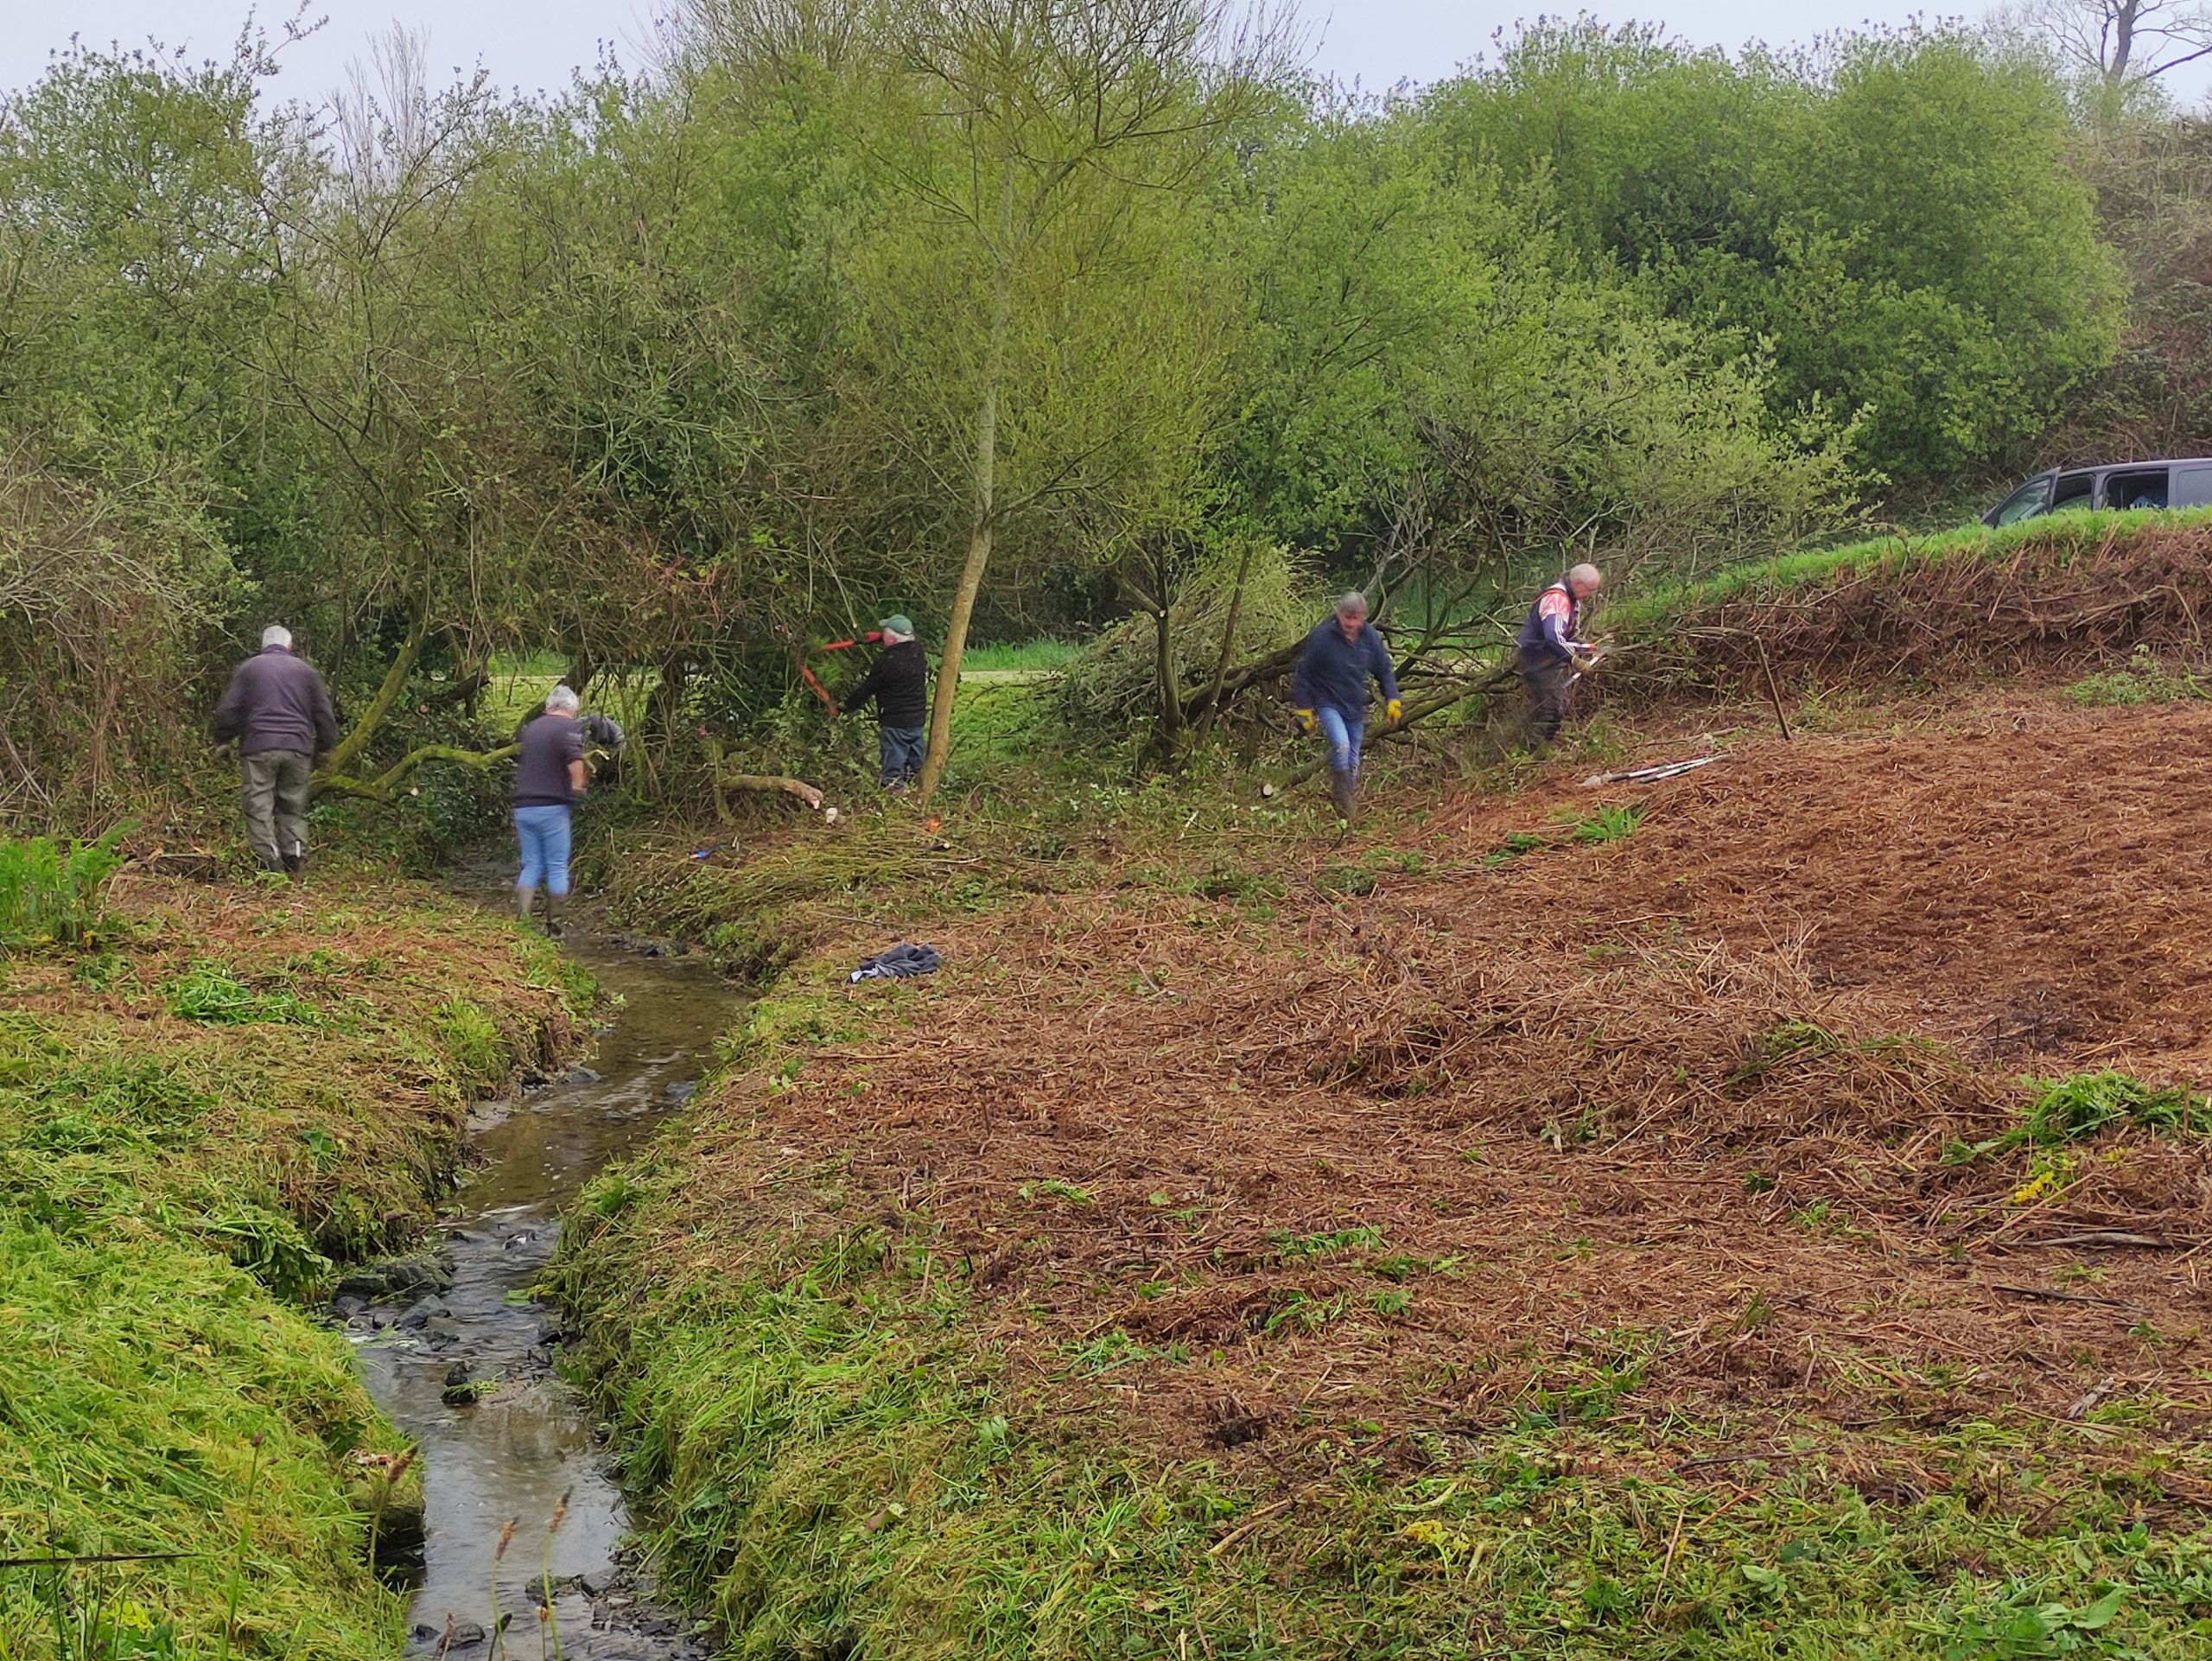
x=528 y=1452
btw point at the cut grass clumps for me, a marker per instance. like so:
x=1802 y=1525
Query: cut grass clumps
x=2083 y=1104
x=843 y=1464
x=210 y=993
x=186 y=1142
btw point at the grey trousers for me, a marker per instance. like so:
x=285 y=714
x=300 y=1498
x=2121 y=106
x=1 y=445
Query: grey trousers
x=273 y=786
x=1550 y=683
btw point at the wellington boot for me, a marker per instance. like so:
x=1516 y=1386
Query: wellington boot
x=1344 y=793
x=525 y=902
x=555 y=904
x=296 y=865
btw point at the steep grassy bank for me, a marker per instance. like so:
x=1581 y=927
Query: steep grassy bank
x=202 y=1107
x=2061 y=594
x=1747 y=1218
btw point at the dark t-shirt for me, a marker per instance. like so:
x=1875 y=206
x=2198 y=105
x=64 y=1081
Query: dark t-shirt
x=549 y=744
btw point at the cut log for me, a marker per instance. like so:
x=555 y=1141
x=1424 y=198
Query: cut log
x=797 y=787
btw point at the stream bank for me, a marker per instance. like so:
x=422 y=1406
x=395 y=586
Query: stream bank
x=523 y=1521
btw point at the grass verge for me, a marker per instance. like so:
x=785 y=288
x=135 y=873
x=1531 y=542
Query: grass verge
x=196 y=1120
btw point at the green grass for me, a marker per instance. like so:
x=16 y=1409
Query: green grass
x=186 y=1145
x=2081 y=1104
x=1029 y=657
x=2142 y=679
x=842 y=1464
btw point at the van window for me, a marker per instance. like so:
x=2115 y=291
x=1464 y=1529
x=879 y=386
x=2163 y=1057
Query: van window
x=2072 y=490
x=2192 y=487
x=2136 y=488
x=2030 y=500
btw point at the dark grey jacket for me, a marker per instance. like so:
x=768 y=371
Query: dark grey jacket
x=276 y=702
x=898 y=681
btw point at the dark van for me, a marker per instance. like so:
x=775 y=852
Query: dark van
x=2124 y=485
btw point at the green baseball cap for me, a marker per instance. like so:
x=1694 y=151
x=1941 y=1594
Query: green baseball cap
x=897 y=623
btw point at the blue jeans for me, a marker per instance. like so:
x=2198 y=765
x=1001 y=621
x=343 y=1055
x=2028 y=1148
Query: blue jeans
x=1344 y=732
x=903 y=749
x=544 y=833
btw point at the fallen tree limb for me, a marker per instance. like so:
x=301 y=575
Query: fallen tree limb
x=379 y=789
x=799 y=788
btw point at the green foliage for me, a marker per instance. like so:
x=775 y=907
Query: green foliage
x=1604 y=824
x=2142 y=679
x=210 y=993
x=169 y=1192
x=1794 y=200
x=1609 y=822
x=49 y=894
x=2012 y=1625
x=2080 y=1105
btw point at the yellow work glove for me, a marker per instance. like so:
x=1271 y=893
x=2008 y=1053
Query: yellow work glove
x=1394 y=711
x=1305 y=719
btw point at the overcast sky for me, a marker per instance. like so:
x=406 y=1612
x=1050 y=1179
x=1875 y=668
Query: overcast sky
x=535 y=43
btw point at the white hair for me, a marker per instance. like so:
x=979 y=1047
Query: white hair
x=561 y=697
x=277 y=634
x=1586 y=574
x=1351 y=603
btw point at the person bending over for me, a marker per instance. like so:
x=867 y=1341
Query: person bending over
x=1549 y=656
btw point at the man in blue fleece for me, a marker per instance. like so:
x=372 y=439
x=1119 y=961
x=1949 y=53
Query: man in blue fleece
x=1330 y=690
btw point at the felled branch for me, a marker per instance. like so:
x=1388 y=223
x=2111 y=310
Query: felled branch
x=805 y=791
x=379 y=789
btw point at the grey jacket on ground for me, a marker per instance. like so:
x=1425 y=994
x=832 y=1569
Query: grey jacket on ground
x=276 y=702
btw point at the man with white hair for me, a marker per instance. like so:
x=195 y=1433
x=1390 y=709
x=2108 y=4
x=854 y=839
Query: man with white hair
x=899 y=684
x=550 y=781
x=279 y=710
x=1549 y=656
x=1330 y=690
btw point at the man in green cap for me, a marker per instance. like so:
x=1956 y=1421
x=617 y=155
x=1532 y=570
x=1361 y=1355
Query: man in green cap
x=899 y=681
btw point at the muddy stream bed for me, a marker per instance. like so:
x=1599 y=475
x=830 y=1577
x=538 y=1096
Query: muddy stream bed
x=466 y=1369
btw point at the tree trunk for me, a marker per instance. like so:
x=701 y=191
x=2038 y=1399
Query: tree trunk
x=1227 y=645
x=395 y=681
x=1171 y=693
x=983 y=527
x=2123 y=41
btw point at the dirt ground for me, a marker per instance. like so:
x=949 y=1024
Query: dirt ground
x=1671 y=1130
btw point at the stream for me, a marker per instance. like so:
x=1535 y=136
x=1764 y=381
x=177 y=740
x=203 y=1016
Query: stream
x=527 y=1452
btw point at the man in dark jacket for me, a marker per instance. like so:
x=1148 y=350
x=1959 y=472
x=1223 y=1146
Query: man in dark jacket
x=899 y=684
x=1549 y=656
x=279 y=710
x=1330 y=689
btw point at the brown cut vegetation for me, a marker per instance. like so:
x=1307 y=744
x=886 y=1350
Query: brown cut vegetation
x=1684 y=1119
x=2077 y=591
